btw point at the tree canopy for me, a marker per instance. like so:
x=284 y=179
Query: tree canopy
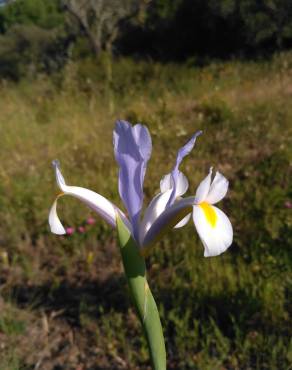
x=44 y=35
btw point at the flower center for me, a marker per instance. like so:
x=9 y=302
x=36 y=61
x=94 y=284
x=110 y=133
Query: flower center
x=210 y=213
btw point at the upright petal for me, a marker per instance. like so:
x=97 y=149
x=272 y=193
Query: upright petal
x=203 y=188
x=95 y=201
x=167 y=183
x=218 y=189
x=160 y=202
x=132 y=146
x=214 y=229
x=184 y=151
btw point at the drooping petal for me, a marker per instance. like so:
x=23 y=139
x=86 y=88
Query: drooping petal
x=153 y=211
x=54 y=221
x=95 y=201
x=170 y=217
x=214 y=229
x=218 y=189
x=184 y=151
x=203 y=188
x=132 y=146
x=182 y=184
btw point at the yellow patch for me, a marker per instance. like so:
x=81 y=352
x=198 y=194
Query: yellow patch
x=209 y=212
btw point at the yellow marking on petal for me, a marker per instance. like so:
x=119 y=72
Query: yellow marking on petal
x=59 y=195
x=210 y=213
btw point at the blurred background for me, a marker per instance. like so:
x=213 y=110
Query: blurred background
x=68 y=70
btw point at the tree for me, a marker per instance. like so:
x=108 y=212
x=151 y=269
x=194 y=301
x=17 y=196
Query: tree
x=32 y=37
x=27 y=49
x=267 y=21
x=42 y=13
x=100 y=19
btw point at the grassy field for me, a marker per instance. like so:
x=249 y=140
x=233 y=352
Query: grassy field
x=64 y=302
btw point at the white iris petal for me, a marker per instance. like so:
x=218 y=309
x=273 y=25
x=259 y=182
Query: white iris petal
x=182 y=184
x=166 y=183
x=183 y=222
x=217 y=237
x=95 y=201
x=203 y=188
x=54 y=221
x=218 y=189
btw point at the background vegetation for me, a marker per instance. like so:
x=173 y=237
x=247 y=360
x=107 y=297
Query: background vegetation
x=63 y=302
x=43 y=36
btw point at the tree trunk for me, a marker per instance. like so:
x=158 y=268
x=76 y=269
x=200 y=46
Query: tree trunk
x=94 y=41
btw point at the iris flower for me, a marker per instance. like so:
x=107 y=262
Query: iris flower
x=168 y=209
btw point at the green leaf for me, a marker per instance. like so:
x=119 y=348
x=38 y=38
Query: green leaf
x=135 y=271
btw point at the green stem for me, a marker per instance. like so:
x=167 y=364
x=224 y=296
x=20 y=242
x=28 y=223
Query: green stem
x=135 y=271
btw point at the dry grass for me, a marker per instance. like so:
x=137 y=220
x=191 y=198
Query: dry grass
x=64 y=302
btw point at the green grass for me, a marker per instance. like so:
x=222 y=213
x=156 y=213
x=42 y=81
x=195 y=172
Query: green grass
x=230 y=312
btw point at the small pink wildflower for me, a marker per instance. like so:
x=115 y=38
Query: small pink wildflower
x=70 y=230
x=288 y=204
x=81 y=229
x=90 y=221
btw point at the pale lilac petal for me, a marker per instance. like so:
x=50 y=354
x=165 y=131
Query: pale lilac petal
x=203 y=188
x=184 y=151
x=132 y=146
x=218 y=189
